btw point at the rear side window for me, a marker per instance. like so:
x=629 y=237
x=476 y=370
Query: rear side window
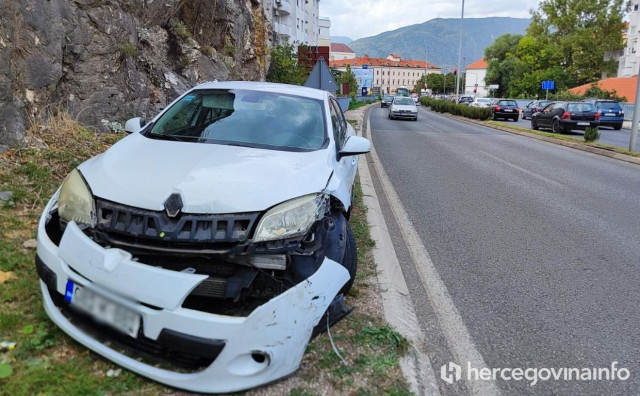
x=580 y=107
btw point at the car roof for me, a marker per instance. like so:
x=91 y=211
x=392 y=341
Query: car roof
x=267 y=87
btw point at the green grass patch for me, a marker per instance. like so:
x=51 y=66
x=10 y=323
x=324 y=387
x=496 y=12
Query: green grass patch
x=358 y=104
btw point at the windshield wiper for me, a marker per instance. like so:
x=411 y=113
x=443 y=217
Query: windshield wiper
x=170 y=137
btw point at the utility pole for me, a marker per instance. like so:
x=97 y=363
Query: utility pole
x=459 y=53
x=636 y=118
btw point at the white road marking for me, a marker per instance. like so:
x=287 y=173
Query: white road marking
x=458 y=338
x=528 y=172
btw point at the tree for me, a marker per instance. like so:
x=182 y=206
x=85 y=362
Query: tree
x=575 y=35
x=504 y=67
x=348 y=77
x=284 y=67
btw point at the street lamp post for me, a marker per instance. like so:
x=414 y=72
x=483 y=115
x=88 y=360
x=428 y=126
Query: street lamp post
x=459 y=51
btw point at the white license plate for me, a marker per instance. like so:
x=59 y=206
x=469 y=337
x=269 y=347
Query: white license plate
x=508 y=110
x=102 y=309
x=609 y=114
x=583 y=123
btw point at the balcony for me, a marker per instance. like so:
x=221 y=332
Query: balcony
x=283 y=6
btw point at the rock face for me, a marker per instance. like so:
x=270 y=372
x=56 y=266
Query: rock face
x=104 y=61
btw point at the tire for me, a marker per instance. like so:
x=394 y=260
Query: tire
x=350 y=259
x=515 y=118
x=534 y=125
x=524 y=117
x=617 y=127
x=555 y=127
x=495 y=118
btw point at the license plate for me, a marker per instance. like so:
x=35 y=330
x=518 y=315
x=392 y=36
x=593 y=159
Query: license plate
x=609 y=114
x=102 y=309
x=508 y=110
x=583 y=123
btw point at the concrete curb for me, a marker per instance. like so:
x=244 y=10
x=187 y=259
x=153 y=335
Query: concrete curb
x=398 y=307
x=576 y=146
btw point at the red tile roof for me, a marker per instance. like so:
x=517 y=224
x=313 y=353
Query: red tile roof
x=339 y=47
x=381 y=62
x=624 y=86
x=479 y=64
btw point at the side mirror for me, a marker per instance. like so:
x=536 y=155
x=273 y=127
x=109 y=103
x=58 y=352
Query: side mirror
x=134 y=125
x=355 y=145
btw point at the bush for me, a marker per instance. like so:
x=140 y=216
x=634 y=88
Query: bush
x=444 y=106
x=591 y=134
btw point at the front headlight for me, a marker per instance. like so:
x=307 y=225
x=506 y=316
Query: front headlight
x=291 y=218
x=75 y=201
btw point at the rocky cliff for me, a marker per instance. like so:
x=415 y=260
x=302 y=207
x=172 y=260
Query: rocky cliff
x=104 y=61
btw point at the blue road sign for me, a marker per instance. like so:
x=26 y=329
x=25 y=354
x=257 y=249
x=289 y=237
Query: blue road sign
x=548 y=84
x=365 y=66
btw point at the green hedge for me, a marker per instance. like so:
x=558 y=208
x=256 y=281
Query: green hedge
x=444 y=106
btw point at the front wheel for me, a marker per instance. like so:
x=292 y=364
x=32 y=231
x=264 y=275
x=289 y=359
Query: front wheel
x=350 y=259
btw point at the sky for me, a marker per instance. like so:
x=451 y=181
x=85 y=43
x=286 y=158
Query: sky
x=363 y=18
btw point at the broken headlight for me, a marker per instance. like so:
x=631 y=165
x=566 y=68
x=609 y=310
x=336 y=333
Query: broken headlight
x=291 y=218
x=75 y=202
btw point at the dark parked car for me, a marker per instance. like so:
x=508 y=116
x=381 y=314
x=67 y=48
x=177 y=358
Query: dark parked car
x=465 y=100
x=611 y=113
x=507 y=109
x=386 y=100
x=537 y=105
x=565 y=116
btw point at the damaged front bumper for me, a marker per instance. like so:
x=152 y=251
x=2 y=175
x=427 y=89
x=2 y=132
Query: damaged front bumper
x=233 y=353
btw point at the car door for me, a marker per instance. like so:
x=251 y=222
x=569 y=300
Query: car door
x=347 y=167
x=546 y=115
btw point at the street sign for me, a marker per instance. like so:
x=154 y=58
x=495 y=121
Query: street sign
x=549 y=84
x=365 y=66
x=494 y=86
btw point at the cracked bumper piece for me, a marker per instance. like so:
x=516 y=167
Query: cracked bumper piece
x=234 y=353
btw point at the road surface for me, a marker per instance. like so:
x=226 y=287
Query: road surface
x=537 y=247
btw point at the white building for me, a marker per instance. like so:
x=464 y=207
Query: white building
x=296 y=21
x=324 y=32
x=388 y=73
x=630 y=60
x=476 y=74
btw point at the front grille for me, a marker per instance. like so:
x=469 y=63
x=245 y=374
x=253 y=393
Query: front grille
x=122 y=220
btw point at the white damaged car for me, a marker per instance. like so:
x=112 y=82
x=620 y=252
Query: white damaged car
x=205 y=249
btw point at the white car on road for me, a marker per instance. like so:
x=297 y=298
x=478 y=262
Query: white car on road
x=207 y=247
x=403 y=107
x=481 y=102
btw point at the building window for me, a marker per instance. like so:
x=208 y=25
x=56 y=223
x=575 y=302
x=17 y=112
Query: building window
x=377 y=82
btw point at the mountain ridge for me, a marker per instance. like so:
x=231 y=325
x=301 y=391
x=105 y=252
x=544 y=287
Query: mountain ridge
x=436 y=40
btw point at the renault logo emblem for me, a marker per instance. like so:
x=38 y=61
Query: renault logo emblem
x=173 y=205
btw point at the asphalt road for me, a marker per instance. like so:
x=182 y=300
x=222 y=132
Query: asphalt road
x=537 y=245
x=608 y=135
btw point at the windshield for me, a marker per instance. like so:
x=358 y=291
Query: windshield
x=507 y=103
x=388 y=97
x=246 y=118
x=404 y=101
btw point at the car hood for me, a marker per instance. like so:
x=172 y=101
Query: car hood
x=211 y=178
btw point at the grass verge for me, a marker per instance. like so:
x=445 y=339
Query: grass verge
x=46 y=361
x=566 y=138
